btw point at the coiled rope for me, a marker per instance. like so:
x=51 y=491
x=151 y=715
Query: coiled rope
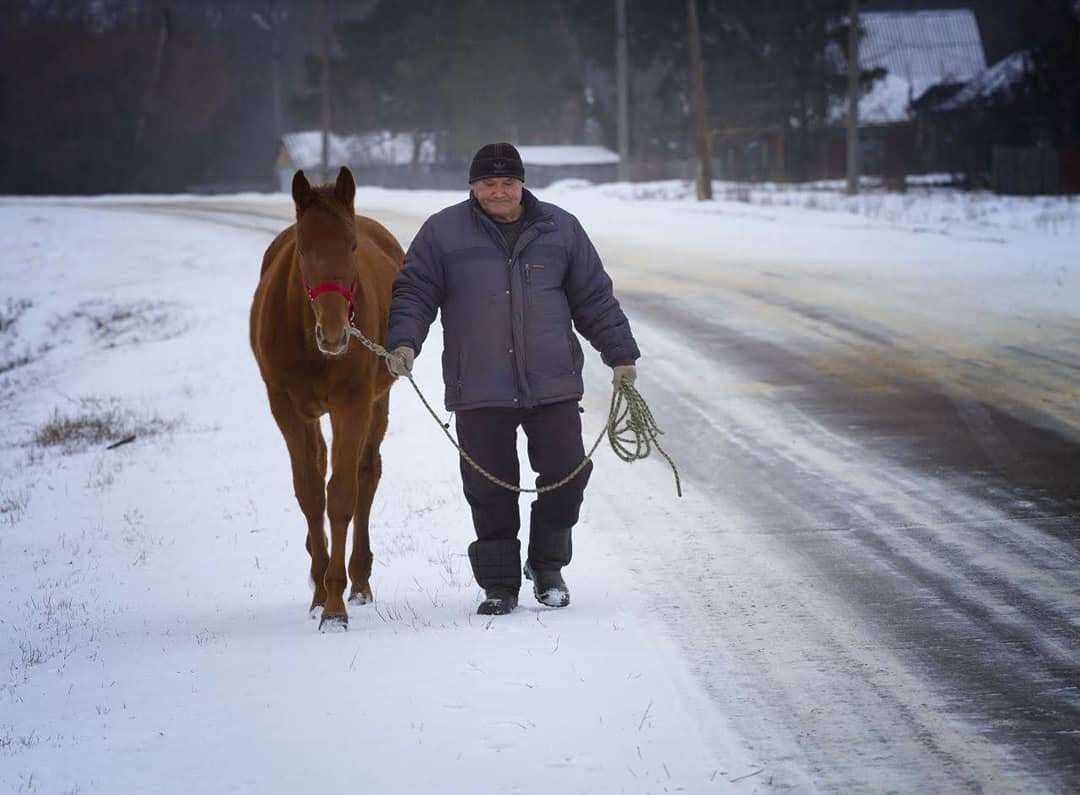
x=631 y=429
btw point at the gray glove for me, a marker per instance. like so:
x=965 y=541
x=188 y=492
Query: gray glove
x=400 y=361
x=624 y=373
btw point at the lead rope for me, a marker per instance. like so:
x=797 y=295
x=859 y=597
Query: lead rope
x=631 y=429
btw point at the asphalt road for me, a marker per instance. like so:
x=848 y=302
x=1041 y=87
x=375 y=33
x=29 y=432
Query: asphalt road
x=877 y=575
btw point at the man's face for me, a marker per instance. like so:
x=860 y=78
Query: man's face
x=499 y=196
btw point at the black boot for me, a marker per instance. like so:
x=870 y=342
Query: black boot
x=549 y=550
x=497 y=568
x=498 y=602
x=549 y=588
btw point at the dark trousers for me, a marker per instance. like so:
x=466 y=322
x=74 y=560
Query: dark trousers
x=555 y=448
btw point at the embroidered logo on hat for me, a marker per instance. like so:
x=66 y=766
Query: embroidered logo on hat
x=499 y=165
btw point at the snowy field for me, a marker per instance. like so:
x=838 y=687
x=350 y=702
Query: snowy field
x=153 y=624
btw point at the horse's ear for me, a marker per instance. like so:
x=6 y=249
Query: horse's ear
x=301 y=190
x=345 y=187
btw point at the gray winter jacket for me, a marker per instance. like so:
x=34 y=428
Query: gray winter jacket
x=507 y=339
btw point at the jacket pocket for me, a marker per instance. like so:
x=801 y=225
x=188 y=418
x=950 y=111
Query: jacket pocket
x=570 y=347
x=532 y=268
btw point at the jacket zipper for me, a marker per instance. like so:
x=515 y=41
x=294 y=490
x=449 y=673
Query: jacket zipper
x=509 y=280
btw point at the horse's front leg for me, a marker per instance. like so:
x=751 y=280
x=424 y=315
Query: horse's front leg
x=349 y=426
x=367 y=482
x=307 y=453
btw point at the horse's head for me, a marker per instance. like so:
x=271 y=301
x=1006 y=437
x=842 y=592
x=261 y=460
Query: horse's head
x=326 y=244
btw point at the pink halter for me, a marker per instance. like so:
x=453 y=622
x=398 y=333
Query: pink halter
x=331 y=287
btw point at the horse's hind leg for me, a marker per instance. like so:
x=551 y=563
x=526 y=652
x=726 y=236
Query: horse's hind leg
x=307 y=453
x=368 y=476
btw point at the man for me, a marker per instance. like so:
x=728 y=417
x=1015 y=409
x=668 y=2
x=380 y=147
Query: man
x=509 y=273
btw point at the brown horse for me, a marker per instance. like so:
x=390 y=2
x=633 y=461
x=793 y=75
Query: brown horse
x=328 y=268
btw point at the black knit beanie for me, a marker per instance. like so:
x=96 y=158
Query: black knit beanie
x=496 y=160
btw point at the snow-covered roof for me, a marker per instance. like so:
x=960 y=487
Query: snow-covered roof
x=918 y=50
x=381 y=148
x=998 y=78
x=925 y=48
x=567 y=155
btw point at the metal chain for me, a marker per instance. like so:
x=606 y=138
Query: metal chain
x=631 y=429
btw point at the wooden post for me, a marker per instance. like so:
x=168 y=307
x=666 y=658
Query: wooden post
x=697 y=78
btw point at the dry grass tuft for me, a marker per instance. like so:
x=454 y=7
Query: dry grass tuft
x=96 y=424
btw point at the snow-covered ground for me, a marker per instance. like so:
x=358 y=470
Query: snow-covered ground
x=153 y=597
x=153 y=609
x=153 y=628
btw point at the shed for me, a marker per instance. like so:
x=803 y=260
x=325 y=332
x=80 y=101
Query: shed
x=546 y=164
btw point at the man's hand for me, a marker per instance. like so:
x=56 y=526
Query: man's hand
x=624 y=373
x=400 y=361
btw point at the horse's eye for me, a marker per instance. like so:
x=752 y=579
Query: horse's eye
x=354 y=246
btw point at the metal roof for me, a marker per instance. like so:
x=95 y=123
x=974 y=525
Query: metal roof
x=925 y=48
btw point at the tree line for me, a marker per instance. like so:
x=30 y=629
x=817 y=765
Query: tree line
x=121 y=95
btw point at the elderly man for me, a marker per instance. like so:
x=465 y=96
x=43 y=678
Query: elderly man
x=509 y=273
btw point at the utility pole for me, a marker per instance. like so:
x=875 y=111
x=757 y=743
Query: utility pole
x=326 y=28
x=622 y=80
x=853 y=99
x=697 y=77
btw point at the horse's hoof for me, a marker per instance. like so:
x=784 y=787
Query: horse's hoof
x=338 y=622
x=361 y=598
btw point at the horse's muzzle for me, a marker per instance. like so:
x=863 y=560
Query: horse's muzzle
x=331 y=347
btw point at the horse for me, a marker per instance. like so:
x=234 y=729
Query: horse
x=330 y=269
